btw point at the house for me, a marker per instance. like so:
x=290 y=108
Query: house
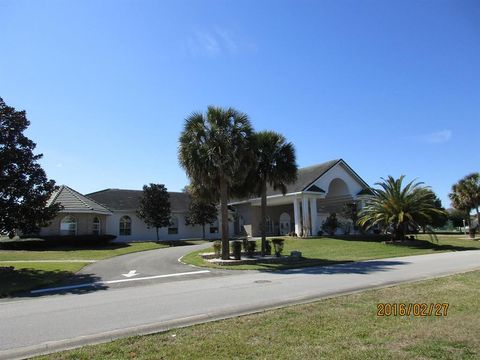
x=79 y=215
x=319 y=190
x=127 y=226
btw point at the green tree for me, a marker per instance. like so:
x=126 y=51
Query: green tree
x=398 y=208
x=456 y=217
x=201 y=212
x=465 y=196
x=216 y=152
x=436 y=220
x=154 y=208
x=275 y=166
x=24 y=187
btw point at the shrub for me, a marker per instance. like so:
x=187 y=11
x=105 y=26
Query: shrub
x=278 y=245
x=217 y=248
x=331 y=224
x=46 y=242
x=268 y=248
x=251 y=246
x=237 y=249
x=292 y=234
x=319 y=232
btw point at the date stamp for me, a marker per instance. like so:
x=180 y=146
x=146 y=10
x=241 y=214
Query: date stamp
x=412 y=309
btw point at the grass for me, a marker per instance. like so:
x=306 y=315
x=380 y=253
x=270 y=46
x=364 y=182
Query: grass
x=30 y=275
x=326 y=251
x=345 y=327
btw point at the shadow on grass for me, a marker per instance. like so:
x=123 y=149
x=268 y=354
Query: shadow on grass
x=20 y=283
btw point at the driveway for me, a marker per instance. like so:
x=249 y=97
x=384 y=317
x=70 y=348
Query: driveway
x=135 y=269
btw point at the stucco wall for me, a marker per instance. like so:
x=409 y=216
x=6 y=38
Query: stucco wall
x=141 y=232
x=84 y=224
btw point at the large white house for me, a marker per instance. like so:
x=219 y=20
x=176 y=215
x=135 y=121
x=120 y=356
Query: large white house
x=319 y=190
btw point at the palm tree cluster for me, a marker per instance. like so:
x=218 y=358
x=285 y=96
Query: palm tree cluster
x=225 y=158
x=465 y=196
x=399 y=209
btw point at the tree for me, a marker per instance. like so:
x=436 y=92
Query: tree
x=456 y=217
x=216 y=152
x=201 y=212
x=275 y=166
x=154 y=206
x=436 y=220
x=24 y=187
x=397 y=208
x=465 y=196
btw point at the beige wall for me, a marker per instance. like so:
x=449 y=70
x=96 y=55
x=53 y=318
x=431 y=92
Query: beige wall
x=252 y=218
x=84 y=224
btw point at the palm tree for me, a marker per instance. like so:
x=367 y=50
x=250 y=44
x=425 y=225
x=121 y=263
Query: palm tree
x=216 y=152
x=275 y=166
x=397 y=208
x=465 y=196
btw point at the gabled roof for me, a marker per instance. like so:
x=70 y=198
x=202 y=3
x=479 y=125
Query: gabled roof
x=306 y=176
x=129 y=200
x=74 y=202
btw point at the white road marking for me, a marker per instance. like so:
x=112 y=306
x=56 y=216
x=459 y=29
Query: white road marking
x=116 y=281
x=131 y=273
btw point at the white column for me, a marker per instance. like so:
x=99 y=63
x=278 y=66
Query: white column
x=305 y=218
x=313 y=216
x=296 y=216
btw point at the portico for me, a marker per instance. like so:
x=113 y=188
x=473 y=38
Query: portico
x=319 y=191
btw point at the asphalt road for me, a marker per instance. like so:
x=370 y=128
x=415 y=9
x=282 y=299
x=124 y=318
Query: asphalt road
x=54 y=322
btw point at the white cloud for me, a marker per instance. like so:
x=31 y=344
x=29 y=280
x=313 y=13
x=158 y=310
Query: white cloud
x=437 y=137
x=212 y=43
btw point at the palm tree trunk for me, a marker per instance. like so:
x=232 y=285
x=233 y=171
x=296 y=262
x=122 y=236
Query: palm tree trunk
x=264 y=217
x=224 y=215
x=157 y=234
x=203 y=231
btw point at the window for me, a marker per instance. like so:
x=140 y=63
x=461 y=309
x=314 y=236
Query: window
x=96 y=226
x=269 y=227
x=214 y=227
x=125 y=226
x=173 y=227
x=68 y=226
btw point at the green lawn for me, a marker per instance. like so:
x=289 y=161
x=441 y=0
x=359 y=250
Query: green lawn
x=325 y=250
x=30 y=275
x=345 y=327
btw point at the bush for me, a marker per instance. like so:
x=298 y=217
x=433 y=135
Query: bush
x=251 y=247
x=278 y=245
x=236 y=249
x=331 y=224
x=292 y=234
x=46 y=242
x=217 y=248
x=268 y=248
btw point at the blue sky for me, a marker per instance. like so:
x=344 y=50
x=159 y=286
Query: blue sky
x=392 y=87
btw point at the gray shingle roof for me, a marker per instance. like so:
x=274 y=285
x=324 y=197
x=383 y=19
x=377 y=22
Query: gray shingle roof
x=120 y=199
x=73 y=201
x=306 y=176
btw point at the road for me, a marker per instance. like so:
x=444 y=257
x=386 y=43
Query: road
x=47 y=323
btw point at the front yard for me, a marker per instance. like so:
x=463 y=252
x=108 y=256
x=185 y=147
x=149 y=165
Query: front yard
x=35 y=270
x=327 y=251
x=345 y=327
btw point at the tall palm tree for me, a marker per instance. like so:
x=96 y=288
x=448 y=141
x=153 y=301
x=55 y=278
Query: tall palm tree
x=465 y=195
x=397 y=208
x=276 y=166
x=216 y=152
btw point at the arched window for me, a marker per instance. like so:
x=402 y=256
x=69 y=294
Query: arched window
x=68 y=226
x=125 y=225
x=269 y=224
x=173 y=227
x=96 y=226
